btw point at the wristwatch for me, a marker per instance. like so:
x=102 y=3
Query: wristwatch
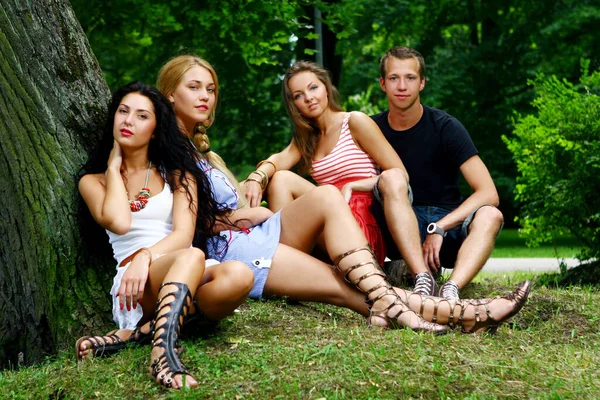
x=434 y=228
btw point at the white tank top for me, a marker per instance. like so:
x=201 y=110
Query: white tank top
x=148 y=226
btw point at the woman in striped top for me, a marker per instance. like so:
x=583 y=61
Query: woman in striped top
x=338 y=148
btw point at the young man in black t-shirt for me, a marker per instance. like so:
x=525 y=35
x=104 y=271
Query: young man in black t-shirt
x=435 y=148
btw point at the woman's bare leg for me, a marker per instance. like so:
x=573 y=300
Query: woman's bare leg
x=321 y=210
x=284 y=187
x=158 y=271
x=301 y=277
x=224 y=287
x=324 y=210
x=184 y=268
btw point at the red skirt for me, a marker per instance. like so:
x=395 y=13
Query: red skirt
x=360 y=204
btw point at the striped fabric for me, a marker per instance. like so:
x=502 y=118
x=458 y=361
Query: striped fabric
x=345 y=161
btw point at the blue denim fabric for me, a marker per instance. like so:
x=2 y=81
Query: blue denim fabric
x=425 y=216
x=454 y=238
x=428 y=214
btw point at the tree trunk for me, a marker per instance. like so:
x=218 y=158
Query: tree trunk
x=52 y=102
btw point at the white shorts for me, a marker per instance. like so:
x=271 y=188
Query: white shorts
x=128 y=319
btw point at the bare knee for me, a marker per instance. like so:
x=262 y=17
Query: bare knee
x=282 y=178
x=192 y=258
x=280 y=181
x=288 y=184
x=328 y=196
x=240 y=276
x=393 y=183
x=489 y=218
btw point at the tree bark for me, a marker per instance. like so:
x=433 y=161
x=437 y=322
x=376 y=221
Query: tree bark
x=52 y=103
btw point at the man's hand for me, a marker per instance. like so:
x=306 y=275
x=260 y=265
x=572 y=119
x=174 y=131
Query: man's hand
x=431 y=251
x=253 y=193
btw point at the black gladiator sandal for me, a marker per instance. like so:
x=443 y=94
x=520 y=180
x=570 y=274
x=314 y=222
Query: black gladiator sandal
x=518 y=297
x=100 y=346
x=392 y=319
x=140 y=338
x=196 y=322
x=166 y=335
x=109 y=344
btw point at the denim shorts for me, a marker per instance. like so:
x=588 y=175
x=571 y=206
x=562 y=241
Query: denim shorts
x=425 y=215
x=455 y=236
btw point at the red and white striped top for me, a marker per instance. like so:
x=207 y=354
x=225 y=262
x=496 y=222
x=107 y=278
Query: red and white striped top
x=345 y=162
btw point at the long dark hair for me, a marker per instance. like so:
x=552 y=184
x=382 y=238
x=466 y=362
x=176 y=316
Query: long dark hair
x=171 y=153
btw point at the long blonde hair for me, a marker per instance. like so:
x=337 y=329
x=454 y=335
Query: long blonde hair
x=306 y=131
x=169 y=77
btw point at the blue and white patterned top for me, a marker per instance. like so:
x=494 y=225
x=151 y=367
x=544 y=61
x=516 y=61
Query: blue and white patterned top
x=255 y=247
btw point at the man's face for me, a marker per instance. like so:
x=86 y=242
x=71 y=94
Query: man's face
x=402 y=83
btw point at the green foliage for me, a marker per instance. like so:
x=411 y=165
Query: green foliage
x=557 y=153
x=479 y=56
x=250 y=44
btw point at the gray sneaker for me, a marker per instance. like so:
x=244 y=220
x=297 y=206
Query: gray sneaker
x=425 y=284
x=449 y=291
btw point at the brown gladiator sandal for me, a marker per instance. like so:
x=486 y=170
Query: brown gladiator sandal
x=384 y=313
x=518 y=297
x=166 y=335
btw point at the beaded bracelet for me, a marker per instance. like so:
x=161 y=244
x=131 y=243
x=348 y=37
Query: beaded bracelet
x=266 y=162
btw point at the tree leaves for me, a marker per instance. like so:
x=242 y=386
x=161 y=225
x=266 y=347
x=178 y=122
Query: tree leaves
x=556 y=152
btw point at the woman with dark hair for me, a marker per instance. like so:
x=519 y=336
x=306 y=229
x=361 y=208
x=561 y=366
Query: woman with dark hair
x=143 y=186
x=275 y=246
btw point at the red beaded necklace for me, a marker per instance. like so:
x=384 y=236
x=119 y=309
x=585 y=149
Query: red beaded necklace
x=142 y=200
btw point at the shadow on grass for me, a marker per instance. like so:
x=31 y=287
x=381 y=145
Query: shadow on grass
x=585 y=274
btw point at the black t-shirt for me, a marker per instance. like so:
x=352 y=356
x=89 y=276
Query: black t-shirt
x=432 y=152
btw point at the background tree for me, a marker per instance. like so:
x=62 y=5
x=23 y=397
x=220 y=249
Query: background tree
x=52 y=100
x=557 y=153
x=250 y=44
x=480 y=55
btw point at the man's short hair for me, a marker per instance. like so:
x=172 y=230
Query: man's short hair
x=402 y=53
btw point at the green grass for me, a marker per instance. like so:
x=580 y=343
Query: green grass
x=273 y=350
x=510 y=245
